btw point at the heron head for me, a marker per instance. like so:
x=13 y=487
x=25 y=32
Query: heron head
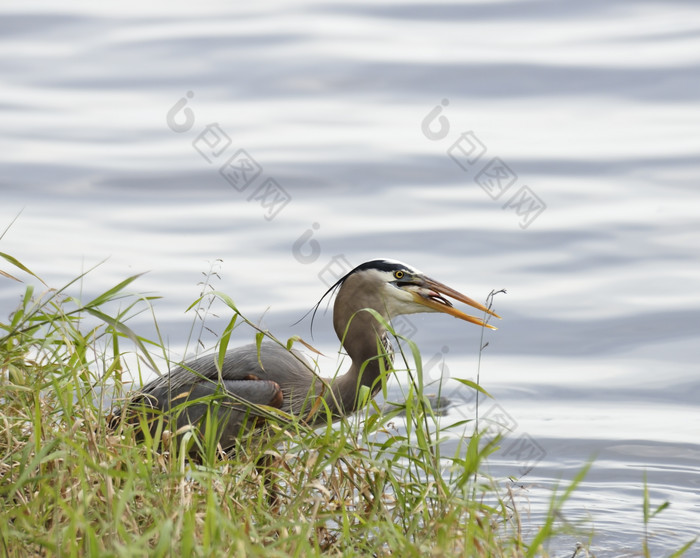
x=405 y=290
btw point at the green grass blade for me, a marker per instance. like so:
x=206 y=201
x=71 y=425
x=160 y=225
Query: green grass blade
x=125 y=330
x=111 y=293
x=14 y=261
x=685 y=548
x=474 y=386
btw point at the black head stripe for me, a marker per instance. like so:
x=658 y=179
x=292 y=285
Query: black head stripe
x=379 y=265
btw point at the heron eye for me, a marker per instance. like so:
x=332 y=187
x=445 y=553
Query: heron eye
x=399 y=274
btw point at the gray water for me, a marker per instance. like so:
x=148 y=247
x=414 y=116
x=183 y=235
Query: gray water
x=548 y=148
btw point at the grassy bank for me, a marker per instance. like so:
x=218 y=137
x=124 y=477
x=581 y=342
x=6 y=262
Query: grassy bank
x=72 y=486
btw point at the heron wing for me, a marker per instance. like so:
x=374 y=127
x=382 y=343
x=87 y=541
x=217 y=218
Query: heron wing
x=248 y=376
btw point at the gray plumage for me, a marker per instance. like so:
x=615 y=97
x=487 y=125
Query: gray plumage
x=275 y=377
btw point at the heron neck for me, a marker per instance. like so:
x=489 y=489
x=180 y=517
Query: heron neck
x=366 y=343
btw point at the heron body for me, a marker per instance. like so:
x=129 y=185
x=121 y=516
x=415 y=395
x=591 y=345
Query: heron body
x=272 y=376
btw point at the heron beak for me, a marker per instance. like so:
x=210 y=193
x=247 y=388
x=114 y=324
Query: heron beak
x=432 y=294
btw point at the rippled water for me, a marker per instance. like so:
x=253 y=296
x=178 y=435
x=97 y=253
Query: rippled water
x=551 y=149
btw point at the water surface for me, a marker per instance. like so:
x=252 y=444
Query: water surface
x=590 y=109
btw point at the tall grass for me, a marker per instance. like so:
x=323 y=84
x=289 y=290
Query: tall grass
x=70 y=485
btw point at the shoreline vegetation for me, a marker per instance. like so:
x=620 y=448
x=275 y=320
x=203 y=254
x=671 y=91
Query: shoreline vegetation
x=72 y=485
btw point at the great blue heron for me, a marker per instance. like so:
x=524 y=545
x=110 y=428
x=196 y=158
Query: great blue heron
x=270 y=375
